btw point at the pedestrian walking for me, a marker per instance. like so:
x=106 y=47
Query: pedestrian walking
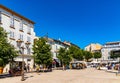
x=34 y=67
x=119 y=68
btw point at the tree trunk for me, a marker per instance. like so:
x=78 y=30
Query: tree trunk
x=97 y=59
x=44 y=68
x=63 y=66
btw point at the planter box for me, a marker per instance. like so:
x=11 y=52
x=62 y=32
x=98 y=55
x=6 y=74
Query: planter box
x=1 y=70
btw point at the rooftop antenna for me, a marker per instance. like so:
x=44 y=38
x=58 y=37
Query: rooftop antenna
x=46 y=36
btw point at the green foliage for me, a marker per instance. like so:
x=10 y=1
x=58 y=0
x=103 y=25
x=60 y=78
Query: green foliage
x=79 y=54
x=42 y=52
x=1 y=62
x=64 y=56
x=97 y=55
x=76 y=53
x=113 y=55
x=7 y=51
x=87 y=55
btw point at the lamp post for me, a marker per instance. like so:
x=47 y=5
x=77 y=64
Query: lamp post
x=22 y=78
x=19 y=42
x=27 y=46
x=28 y=52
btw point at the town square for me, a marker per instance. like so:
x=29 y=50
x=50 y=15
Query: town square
x=90 y=75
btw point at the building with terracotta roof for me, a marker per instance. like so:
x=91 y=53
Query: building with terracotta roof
x=93 y=47
x=21 y=32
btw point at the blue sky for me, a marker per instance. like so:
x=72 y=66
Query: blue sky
x=79 y=21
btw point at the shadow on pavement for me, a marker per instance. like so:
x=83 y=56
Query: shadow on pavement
x=5 y=75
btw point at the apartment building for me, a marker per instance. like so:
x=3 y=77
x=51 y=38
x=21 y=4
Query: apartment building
x=20 y=32
x=93 y=47
x=108 y=47
x=55 y=46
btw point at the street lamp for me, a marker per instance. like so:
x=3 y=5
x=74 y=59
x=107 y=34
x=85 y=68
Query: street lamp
x=28 y=50
x=22 y=79
x=19 y=42
x=27 y=46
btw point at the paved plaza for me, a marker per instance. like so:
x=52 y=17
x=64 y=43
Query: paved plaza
x=89 y=75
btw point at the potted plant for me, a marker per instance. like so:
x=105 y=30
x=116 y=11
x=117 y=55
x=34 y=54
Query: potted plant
x=1 y=65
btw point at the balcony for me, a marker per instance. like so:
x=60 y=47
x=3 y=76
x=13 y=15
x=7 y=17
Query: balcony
x=21 y=30
x=11 y=38
x=12 y=26
x=29 y=32
x=19 y=40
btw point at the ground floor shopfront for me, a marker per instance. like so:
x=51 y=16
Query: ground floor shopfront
x=18 y=62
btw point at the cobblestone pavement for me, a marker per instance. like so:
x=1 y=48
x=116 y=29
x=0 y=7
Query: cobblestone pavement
x=89 y=75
